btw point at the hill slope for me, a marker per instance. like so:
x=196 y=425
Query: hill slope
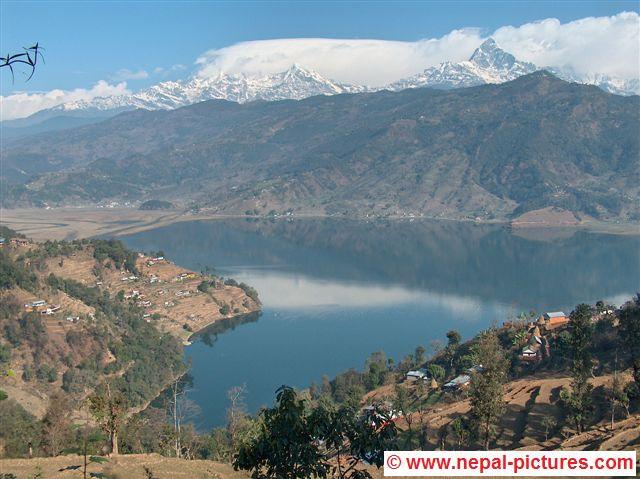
x=75 y=314
x=493 y=151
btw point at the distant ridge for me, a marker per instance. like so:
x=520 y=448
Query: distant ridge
x=488 y=64
x=491 y=152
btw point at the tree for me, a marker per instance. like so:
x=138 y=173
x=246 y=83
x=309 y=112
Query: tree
x=402 y=403
x=295 y=442
x=460 y=428
x=109 y=411
x=577 y=400
x=56 y=425
x=376 y=370
x=486 y=393
x=419 y=356
x=436 y=371
x=351 y=439
x=629 y=333
x=237 y=417
x=453 y=338
x=453 y=341
x=549 y=424
x=285 y=447
x=617 y=397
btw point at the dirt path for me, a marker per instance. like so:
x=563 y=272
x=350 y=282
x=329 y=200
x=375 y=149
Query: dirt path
x=130 y=466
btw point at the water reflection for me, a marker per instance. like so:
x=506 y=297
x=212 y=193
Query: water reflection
x=533 y=268
x=209 y=335
x=336 y=290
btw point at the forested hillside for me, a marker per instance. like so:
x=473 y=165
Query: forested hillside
x=91 y=320
x=488 y=152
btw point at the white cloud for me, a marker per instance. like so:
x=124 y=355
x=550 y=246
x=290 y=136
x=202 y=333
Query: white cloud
x=284 y=291
x=172 y=69
x=22 y=104
x=608 y=45
x=126 y=74
x=371 y=62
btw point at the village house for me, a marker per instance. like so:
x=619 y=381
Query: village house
x=37 y=305
x=553 y=320
x=457 y=383
x=385 y=406
x=50 y=310
x=19 y=241
x=463 y=380
x=532 y=351
x=418 y=374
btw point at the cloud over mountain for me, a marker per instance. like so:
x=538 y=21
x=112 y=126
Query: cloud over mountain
x=587 y=49
x=604 y=45
x=23 y=104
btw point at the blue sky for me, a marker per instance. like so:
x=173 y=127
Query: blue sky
x=90 y=41
x=146 y=42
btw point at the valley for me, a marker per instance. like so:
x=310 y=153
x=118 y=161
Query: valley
x=319 y=240
x=521 y=146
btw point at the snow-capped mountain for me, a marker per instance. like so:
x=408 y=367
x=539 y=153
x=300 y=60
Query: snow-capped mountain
x=488 y=64
x=295 y=83
x=617 y=86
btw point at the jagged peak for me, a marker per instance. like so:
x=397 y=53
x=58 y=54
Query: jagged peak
x=490 y=55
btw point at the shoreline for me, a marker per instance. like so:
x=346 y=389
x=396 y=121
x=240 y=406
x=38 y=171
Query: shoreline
x=74 y=223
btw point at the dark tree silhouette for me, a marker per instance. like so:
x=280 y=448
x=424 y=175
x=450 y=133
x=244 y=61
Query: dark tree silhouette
x=28 y=57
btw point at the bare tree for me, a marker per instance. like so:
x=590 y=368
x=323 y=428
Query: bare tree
x=237 y=412
x=56 y=425
x=109 y=410
x=180 y=409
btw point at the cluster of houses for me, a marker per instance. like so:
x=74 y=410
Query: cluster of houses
x=14 y=242
x=535 y=349
x=457 y=383
x=537 y=343
x=133 y=294
x=157 y=259
x=42 y=307
x=182 y=276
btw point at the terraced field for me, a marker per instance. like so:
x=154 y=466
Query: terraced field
x=522 y=426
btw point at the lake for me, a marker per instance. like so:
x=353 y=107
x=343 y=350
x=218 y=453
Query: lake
x=334 y=291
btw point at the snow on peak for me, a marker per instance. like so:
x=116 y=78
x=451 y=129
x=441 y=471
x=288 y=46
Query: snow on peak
x=488 y=64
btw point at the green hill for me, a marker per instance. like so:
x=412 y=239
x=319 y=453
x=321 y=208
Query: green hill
x=488 y=152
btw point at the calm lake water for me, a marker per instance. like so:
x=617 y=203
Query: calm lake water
x=335 y=291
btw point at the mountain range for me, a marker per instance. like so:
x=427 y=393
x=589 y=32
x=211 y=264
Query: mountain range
x=490 y=152
x=489 y=64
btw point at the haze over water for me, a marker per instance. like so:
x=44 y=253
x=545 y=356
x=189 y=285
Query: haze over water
x=334 y=291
